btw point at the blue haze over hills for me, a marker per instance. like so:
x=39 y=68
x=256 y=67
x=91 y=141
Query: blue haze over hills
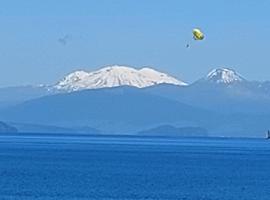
x=222 y=103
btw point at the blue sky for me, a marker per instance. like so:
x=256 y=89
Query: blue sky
x=41 y=41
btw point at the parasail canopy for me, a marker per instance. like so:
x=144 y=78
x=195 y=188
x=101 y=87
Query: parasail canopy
x=197 y=34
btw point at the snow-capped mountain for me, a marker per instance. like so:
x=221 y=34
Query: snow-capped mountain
x=222 y=102
x=224 y=76
x=114 y=76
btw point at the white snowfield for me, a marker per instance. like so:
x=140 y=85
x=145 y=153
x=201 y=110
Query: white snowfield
x=114 y=76
x=224 y=75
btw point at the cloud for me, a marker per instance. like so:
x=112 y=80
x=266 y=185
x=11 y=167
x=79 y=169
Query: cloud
x=64 y=40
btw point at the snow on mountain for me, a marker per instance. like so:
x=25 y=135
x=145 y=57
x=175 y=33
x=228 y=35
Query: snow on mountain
x=114 y=76
x=224 y=75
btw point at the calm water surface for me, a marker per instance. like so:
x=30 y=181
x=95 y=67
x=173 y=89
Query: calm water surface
x=80 y=167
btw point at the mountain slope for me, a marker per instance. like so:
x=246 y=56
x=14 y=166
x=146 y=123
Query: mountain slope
x=114 y=109
x=223 y=76
x=5 y=128
x=10 y=96
x=242 y=106
x=167 y=130
x=127 y=110
x=115 y=76
x=222 y=90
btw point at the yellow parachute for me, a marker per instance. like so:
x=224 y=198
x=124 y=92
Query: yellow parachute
x=197 y=34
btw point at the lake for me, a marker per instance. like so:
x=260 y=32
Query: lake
x=66 y=167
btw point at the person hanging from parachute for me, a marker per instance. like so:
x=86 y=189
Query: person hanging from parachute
x=197 y=35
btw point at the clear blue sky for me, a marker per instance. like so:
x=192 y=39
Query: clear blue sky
x=41 y=41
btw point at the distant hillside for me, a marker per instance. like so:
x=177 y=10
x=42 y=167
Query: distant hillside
x=168 y=130
x=5 y=128
x=223 y=102
x=223 y=91
x=36 y=128
x=111 y=110
x=10 y=96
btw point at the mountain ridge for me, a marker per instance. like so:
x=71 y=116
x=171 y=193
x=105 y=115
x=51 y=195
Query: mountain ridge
x=224 y=75
x=112 y=107
x=114 y=76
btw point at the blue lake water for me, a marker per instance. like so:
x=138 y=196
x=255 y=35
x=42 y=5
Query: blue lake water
x=80 y=167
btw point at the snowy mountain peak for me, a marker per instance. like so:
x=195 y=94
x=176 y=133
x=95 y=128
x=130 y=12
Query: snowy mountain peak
x=76 y=76
x=224 y=75
x=113 y=76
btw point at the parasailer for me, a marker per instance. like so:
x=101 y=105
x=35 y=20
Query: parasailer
x=197 y=35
